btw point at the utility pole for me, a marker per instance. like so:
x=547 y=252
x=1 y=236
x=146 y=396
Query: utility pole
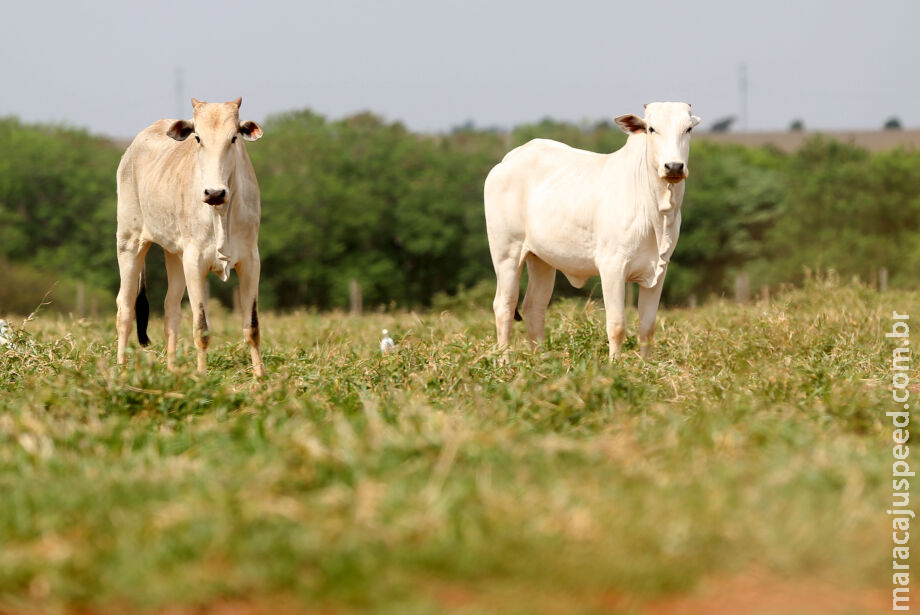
x=743 y=92
x=180 y=94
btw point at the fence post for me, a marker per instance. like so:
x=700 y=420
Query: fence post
x=81 y=300
x=882 y=279
x=354 y=297
x=742 y=288
x=691 y=301
x=765 y=293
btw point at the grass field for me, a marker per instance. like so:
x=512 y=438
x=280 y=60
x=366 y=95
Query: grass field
x=751 y=455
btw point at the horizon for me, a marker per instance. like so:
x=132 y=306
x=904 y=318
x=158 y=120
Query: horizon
x=584 y=124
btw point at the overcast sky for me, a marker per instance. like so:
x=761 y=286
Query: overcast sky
x=111 y=66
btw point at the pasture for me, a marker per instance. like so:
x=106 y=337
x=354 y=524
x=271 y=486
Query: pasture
x=749 y=455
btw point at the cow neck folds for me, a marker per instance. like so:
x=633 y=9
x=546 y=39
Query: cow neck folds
x=663 y=210
x=220 y=218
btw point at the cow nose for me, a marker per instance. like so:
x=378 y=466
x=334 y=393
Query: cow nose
x=674 y=168
x=214 y=196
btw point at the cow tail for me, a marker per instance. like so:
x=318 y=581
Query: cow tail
x=517 y=315
x=142 y=309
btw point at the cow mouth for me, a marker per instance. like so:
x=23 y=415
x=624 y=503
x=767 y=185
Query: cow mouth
x=674 y=179
x=216 y=200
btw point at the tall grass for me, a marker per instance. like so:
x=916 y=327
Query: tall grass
x=361 y=482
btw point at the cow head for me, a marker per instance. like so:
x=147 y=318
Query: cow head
x=667 y=128
x=216 y=128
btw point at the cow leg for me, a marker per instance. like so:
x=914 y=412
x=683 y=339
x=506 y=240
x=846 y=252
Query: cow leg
x=613 y=283
x=648 y=308
x=172 y=307
x=248 y=274
x=130 y=263
x=540 y=280
x=508 y=276
x=195 y=274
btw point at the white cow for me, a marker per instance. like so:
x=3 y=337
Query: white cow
x=197 y=198
x=617 y=215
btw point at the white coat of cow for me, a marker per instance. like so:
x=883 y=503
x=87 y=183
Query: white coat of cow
x=199 y=200
x=617 y=215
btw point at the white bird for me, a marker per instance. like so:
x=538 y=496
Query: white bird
x=387 y=344
x=6 y=334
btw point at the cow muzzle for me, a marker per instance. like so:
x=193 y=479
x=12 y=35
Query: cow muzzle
x=674 y=172
x=214 y=196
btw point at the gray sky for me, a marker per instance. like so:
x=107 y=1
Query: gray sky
x=111 y=66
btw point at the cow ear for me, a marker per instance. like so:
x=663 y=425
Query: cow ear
x=250 y=130
x=238 y=102
x=630 y=124
x=180 y=130
x=694 y=121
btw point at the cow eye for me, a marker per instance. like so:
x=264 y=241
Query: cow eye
x=689 y=129
x=197 y=138
x=233 y=140
x=651 y=130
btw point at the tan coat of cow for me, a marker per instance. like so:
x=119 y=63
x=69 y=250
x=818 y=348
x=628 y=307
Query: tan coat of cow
x=198 y=199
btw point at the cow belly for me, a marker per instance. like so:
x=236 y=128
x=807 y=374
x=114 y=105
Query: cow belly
x=562 y=242
x=573 y=265
x=170 y=243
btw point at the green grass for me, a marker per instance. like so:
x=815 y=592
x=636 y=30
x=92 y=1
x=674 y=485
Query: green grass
x=356 y=482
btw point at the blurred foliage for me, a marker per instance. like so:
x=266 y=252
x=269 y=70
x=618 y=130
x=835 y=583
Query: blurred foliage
x=25 y=290
x=57 y=200
x=401 y=212
x=360 y=198
x=847 y=210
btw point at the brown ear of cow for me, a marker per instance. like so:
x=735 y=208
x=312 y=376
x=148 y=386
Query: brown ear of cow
x=250 y=130
x=180 y=130
x=238 y=102
x=630 y=124
x=196 y=102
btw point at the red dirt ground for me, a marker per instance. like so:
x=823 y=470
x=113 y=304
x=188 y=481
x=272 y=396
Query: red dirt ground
x=750 y=593
x=758 y=594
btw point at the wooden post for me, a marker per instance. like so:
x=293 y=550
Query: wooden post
x=882 y=279
x=94 y=307
x=691 y=301
x=81 y=300
x=354 y=297
x=742 y=288
x=765 y=293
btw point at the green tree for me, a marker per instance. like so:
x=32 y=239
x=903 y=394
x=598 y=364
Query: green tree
x=57 y=200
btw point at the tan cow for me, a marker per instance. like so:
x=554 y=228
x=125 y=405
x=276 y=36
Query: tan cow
x=198 y=198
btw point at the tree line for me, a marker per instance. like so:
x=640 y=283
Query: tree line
x=400 y=212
